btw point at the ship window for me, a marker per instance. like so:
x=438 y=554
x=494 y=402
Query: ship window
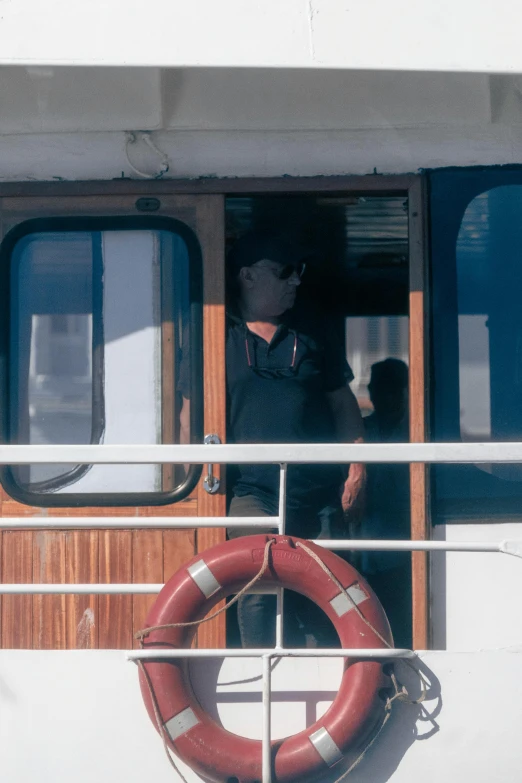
x=104 y=335
x=477 y=329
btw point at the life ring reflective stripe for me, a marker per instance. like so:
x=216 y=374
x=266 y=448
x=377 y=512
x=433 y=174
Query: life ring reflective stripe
x=358 y=708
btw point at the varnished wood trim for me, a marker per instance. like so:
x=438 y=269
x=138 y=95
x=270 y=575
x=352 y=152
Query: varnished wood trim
x=418 y=409
x=399 y=183
x=211 y=215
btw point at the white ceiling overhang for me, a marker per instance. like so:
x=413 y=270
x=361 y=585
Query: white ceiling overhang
x=456 y=35
x=50 y=99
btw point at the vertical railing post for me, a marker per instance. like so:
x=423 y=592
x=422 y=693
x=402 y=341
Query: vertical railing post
x=266 y=745
x=282 y=525
x=282 y=498
x=279 y=618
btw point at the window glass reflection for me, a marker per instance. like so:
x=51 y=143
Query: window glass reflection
x=100 y=338
x=52 y=347
x=476 y=380
x=489 y=287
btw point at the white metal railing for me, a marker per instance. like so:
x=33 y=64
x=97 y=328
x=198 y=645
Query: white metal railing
x=286 y=652
x=263 y=453
x=281 y=454
x=508 y=547
x=130 y=523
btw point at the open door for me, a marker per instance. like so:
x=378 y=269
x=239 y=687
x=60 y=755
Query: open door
x=366 y=269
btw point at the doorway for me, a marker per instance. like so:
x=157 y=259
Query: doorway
x=357 y=272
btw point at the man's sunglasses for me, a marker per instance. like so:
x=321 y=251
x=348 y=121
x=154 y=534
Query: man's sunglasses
x=286 y=271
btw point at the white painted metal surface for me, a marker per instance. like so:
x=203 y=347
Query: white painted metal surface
x=47 y=100
x=202 y=153
x=70 y=123
x=268 y=99
x=266 y=663
x=281 y=527
x=474 y=598
x=78 y=716
x=117 y=588
x=363 y=652
x=266 y=453
x=299 y=33
x=130 y=523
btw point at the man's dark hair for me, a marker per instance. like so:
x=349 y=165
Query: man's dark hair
x=257 y=246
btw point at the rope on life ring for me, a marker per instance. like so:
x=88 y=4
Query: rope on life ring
x=363 y=703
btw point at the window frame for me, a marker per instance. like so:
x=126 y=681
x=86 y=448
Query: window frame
x=46 y=497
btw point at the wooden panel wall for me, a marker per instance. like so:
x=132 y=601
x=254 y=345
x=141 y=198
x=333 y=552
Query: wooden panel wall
x=86 y=622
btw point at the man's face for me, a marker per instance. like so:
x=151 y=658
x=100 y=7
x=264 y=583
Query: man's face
x=273 y=286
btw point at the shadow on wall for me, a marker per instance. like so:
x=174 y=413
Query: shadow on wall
x=438 y=591
x=408 y=723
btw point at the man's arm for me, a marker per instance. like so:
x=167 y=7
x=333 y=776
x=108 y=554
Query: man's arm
x=184 y=426
x=184 y=422
x=349 y=428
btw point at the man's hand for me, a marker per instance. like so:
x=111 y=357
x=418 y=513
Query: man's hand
x=354 y=493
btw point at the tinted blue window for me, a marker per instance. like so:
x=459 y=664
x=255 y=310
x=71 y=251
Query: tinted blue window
x=477 y=335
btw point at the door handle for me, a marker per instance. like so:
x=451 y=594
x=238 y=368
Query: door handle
x=211 y=483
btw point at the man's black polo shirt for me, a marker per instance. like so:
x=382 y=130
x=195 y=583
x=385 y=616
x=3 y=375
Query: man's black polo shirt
x=269 y=401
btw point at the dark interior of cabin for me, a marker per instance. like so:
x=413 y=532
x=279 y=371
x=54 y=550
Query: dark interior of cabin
x=358 y=273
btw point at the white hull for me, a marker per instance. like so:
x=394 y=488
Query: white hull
x=75 y=717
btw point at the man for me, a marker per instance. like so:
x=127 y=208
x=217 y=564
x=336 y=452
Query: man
x=287 y=382
x=387 y=513
x=388 y=390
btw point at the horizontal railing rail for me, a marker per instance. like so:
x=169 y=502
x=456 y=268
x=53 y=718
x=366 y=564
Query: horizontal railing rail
x=264 y=453
x=132 y=523
x=508 y=547
x=287 y=652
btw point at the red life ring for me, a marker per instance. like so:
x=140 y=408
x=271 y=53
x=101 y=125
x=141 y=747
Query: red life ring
x=354 y=716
